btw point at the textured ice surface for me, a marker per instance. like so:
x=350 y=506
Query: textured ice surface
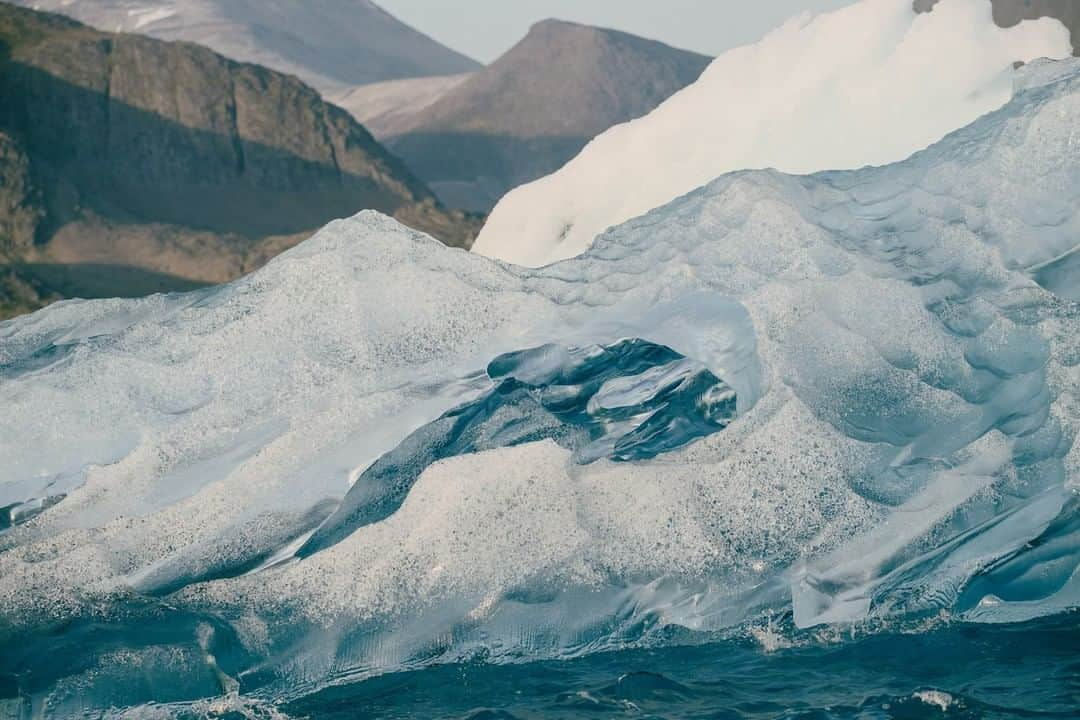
x=902 y=443
x=864 y=85
x=631 y=401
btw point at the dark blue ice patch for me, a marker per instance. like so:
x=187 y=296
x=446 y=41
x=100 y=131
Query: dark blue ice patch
x=632 y=400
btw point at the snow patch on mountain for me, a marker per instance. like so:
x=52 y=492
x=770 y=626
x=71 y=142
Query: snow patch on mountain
x=329 y=44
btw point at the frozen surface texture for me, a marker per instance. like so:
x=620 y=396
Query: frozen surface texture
x=849 y=397
x=864 y=85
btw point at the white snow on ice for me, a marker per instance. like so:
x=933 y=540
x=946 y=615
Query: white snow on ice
x=867 y=84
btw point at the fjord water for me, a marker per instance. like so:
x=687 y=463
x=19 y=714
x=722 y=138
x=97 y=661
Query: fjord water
x=743 y=452
x=965 y=671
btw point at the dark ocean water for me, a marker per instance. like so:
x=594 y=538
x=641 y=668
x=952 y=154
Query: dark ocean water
x=1029 y=670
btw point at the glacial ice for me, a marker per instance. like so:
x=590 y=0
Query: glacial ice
x=867 y=84
x=888 y=377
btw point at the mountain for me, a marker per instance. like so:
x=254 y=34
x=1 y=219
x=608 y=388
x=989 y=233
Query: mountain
x=330 y=44
x=129 y=164
x=799 y=100
x=383 y=107
x=1008 y=13
x=530 y=111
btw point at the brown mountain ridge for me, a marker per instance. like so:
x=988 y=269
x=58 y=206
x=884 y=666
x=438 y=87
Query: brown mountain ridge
x=530 y=111
x=121 y=151
x=329 y=44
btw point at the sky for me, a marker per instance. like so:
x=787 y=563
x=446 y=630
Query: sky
x=484 y=29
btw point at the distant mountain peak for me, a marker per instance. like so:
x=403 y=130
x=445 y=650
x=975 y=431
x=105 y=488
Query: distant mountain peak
x=585 y=36
x=558 y=25
x=550 y=25
x=329 y=44
x=523 y=116
x=566 y=79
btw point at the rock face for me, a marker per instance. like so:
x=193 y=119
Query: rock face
x=1010 y=12
x=20 y=211
x=122 y=149
x=330 y=44
x=533 y=109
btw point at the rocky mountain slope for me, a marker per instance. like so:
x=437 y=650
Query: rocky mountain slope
x=531 y=110
x=128 y=164
x=330 y=44
x=1008 y=13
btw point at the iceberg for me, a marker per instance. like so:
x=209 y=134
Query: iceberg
x=848 y=398
x=867 y=84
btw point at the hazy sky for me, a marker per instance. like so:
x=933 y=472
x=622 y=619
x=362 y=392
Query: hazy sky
x=484 y=29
